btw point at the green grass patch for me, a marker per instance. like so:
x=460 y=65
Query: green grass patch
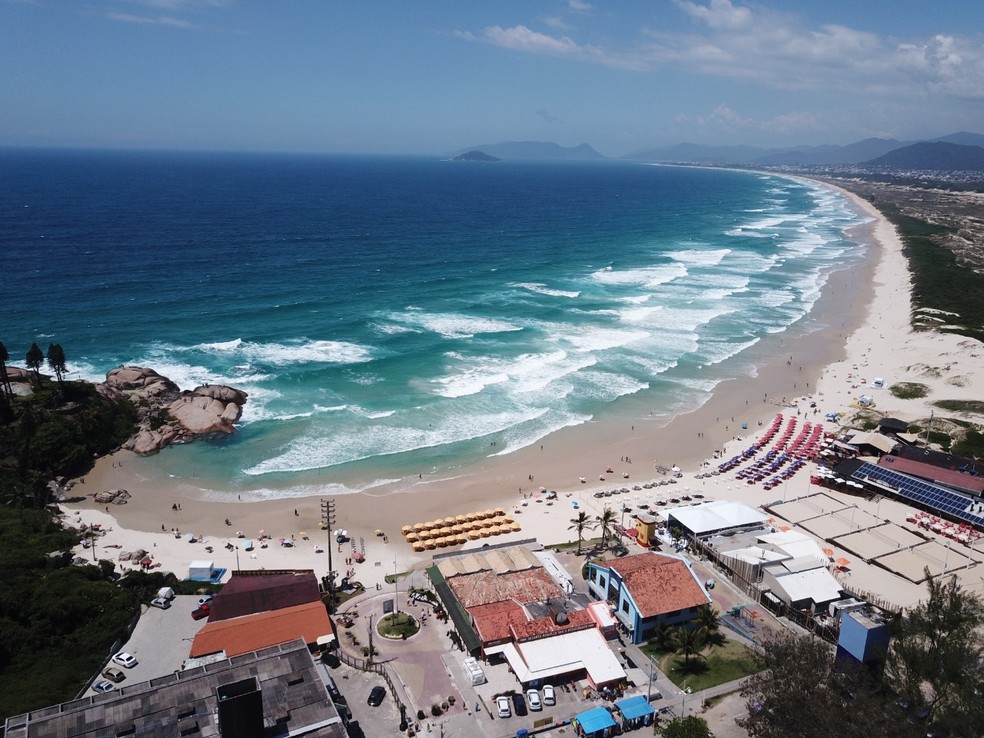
x=398 y=625
x=943 y=439
x=908 y=390
x=961 y=406
x=971 y=445
x=716 y=665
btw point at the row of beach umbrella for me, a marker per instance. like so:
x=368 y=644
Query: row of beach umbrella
x=459 y=529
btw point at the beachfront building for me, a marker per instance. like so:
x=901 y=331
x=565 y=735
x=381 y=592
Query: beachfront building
x=276 y=691
x=258 y=609
x=790 y=567
x=647 y=590
x=712 y=518
x=516 y=611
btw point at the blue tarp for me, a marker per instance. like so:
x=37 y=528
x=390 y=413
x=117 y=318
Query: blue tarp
x=634 y=707
x=591 y=721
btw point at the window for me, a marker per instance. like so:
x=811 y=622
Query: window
x=625 y=606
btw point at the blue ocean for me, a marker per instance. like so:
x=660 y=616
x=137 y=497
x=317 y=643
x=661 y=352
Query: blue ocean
x=389 y=316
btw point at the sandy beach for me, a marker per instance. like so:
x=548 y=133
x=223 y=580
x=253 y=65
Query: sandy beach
x=859 y=330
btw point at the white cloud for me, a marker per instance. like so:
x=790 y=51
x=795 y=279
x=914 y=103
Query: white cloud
x=578 y=6
x=775 y=50
x=161 y=20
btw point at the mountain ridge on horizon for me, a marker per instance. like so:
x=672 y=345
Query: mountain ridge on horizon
x=867 y=151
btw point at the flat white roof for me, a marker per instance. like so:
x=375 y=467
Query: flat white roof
x=602 y=614
x=815 y=584
x=754 y=555
x=716 y=515
x=564 y=653
x=795 y=544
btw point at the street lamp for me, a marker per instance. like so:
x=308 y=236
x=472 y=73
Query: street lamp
x=327 y=520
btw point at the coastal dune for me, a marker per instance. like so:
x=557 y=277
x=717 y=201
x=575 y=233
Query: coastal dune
x=859 y=329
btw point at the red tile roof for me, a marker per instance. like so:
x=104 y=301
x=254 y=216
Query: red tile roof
x=576 y=620
x=253 y=632
x=658 y=584
x=486 y=587
x=493 y=622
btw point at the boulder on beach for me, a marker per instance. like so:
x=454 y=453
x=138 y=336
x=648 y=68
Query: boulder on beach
x=168 y=415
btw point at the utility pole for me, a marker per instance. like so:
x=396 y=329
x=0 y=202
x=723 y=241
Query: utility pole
x=327 y=521
x=370 y=638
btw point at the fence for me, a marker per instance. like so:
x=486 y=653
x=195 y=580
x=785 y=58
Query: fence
x=367 y=665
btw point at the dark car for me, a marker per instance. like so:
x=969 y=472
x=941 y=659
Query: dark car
x=202 y=611
x=330 y=660
x=519 y=704
x=376 y=696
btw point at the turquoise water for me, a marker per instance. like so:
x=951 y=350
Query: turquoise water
x=392 y=316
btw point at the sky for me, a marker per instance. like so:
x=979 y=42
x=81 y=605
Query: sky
x=429 y=77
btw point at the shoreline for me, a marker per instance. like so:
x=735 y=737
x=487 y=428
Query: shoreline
x=855 y=328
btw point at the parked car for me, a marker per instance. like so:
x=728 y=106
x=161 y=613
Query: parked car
x=114 y=675
x=376 y=696
x=160 y=602
x=206 y=599
x=519 y=704
x=549 y=695
x=101 y=685
x=533 y=697
x=202 y=611
x=502 y=707
x=124 y=659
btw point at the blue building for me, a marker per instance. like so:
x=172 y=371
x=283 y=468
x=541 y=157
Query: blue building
x=647 y=590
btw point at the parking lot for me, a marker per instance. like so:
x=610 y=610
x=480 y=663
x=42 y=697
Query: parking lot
x=153 y=641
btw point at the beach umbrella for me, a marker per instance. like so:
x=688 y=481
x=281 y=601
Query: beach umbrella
x=843 y=562
x=459 y=540
x=459 y=519
x=485 y=532
x=514 y=526
x=411 y=537
x=431 y=545
x=419 y=526
x=474 y=534
x=406 y=529
x=419 y=546
x=829 y=551
x=500 y=511
x=470 y=516
x=487 y=523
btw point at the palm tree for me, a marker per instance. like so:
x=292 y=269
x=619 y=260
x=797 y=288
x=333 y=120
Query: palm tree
x=34 y=359
x=606 y=522
x=4 y=381
x=581 y=523
x=56 y=360
x=686 y=640
x=708 y=622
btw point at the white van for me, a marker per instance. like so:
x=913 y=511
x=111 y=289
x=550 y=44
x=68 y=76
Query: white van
x=165 y=593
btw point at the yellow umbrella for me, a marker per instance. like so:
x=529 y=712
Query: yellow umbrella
x=514 y=526
x=507 y=520
x=500 y=511
x=412 y=537
x=419 y=546
x=430 y=545
x=474 y=534
x=485 y=532
x=470 y=516
x=420 y=526
x=460 y=519
x=487 y=523
x=458 y=540
x=406 y=529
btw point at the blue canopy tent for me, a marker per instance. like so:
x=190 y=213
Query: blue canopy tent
x=595 y=722
x=636 y=711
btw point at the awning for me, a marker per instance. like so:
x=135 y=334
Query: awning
x=633 y=708
x=592 y=721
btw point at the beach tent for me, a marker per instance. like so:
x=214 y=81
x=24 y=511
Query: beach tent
x=636 y=711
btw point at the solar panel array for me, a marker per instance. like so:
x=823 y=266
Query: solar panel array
x=931 y=496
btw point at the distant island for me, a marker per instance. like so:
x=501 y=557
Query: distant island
x=476 y=156
x=530 y=151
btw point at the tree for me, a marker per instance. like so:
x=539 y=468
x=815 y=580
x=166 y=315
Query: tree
x=798 y=692
x=605 y=521
x=580 y=524
x=690 y=726
x=708 y=622
x=936 y=657
x=34 y=359
x=5 y=390
x=56 y=360
x=686 y=640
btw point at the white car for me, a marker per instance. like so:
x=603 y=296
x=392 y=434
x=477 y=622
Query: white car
x=502 y=706
x=124 y=659
x=549 y=696
x=206 y=600
x=533 y=697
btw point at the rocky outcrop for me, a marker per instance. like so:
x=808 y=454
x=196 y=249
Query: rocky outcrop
x=168 y=415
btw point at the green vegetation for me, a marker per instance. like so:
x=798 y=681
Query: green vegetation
x=908 y=390
x=961 y=406
x=57 y=622
x=713 y=665
x=398 y=625
x=933 y=676
x=972 y=444
x=580 y=524
x=690 y=726
x=939 y=282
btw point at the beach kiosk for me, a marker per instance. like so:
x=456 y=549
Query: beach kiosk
x=200 y=571
x=635 y=712
x=595 y=723
x=646 y=526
